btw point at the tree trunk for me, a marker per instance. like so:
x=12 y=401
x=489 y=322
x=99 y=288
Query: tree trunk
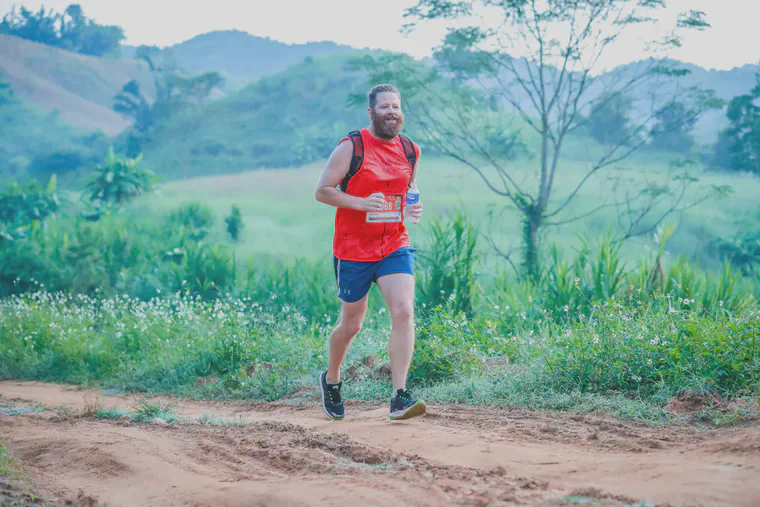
x=531 y=224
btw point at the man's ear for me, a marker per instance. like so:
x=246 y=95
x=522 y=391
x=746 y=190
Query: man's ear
x=369 y=113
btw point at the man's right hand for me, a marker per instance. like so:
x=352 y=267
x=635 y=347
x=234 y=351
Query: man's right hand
x=375 y=202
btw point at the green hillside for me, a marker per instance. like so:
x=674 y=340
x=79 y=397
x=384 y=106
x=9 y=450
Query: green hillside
x=37 y=143
x=80 y=87
x=284 y=120
x=726 y=84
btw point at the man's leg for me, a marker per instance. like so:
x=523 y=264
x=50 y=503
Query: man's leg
x=349 y=325
x=398 y=291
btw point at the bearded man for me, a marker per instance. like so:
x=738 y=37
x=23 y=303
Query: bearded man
x=367 y=178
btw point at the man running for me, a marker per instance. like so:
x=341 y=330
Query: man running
x=367 y=178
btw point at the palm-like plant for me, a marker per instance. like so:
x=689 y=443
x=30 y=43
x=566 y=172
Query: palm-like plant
x=173 y=92
x=131 y=103
x=117 y=181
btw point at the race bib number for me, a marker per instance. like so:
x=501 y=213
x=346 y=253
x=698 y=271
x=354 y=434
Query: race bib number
x=391 y=211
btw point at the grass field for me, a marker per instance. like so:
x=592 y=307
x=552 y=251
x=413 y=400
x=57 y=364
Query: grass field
x=282 y=218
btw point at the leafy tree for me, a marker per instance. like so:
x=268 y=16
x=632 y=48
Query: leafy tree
x=174 y=92
x=116 y=182
x=22 y=205
x=608 y=121
x=40 y=26
x=59 y=162
x=672 y=129
x=131 y=103
x=82 y=35
x=234 y=222
x=721 y=155
x=539 y=58
x=70 y=30
x=743 y=133
x=743 y=250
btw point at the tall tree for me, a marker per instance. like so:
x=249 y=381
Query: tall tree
x=70 y=30
x=40 y=26
x=743 y=132
x=609 y=121
x=174 y=92
x=541 y=58
x=84 y=36
x=673 y=129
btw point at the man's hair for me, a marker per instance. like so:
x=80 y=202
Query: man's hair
x=372 y=95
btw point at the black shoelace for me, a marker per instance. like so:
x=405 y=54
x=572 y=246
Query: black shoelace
x=333 y=391
x=404 y=395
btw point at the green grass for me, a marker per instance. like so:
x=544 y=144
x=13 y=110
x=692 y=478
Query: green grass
x=146 y=412
x=625 y=360
x=17 y=487
x=283 y=220
x=516 y=388
x=109 y=413
x=10 y=466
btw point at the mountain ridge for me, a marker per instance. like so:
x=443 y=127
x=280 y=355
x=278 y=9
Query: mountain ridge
x=240 y=56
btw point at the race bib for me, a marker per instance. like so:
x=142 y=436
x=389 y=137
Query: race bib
x=391 y=211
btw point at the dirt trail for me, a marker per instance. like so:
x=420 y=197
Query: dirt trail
x=290 y=454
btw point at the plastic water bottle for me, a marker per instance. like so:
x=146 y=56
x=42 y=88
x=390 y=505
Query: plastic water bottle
x=412 y=196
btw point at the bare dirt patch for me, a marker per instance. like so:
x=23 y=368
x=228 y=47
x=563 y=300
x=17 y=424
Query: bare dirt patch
x=290 y=454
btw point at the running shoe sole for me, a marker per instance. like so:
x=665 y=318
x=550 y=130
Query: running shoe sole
x=415 y=410
x=322 y=390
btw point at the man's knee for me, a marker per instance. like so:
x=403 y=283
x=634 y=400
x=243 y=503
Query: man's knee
x=351 y=326
x=402 y=312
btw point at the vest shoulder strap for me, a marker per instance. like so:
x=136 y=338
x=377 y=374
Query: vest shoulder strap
x=358 y=155
x=356 y=159
x=409 y=151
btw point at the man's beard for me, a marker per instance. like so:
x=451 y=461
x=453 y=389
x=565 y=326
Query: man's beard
x=385 y=127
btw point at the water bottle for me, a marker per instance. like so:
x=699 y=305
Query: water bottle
x=412 y=196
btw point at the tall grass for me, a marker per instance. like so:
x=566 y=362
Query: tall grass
x=150 y=306
x=166 y=344
x=149 y=258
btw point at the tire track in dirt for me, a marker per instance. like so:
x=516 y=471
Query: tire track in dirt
x=290 y=454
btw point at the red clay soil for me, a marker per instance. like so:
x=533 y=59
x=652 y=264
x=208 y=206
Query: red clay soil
x=290 y=454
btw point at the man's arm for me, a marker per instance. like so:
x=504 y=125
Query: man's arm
x=336 y=169
x=413 y=178
x=415 y=210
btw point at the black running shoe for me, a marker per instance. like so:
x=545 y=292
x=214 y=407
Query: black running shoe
x=404 y=406
x=331 y=401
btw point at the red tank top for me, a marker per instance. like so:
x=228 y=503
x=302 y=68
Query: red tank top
x=385 y=169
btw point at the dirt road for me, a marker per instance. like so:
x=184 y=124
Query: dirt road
x=290 y=454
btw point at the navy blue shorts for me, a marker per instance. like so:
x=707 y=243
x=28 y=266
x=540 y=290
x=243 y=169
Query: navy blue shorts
x=356 y=278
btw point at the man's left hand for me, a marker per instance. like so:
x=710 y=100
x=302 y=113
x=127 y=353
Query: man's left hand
x=415 y=212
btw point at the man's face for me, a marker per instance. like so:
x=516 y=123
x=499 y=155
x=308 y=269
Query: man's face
x=387 y=118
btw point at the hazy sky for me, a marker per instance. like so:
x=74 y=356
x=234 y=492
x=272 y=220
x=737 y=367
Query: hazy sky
x=733 y=40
